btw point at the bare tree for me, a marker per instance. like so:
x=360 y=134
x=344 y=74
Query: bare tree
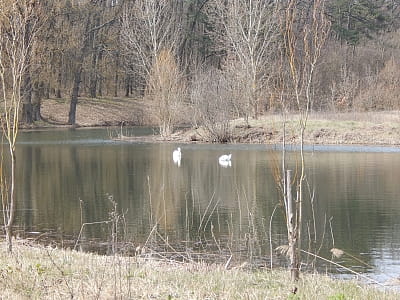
x=303 y=42
x=85 y=41
x=15 y=47
x=151 y=35
x=166 y=91
x=211 y=96
x=248 y=30
x=149 y=27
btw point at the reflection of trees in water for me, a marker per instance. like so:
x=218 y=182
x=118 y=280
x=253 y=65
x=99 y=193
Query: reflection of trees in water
x=201 y=200
x=205 y=201
x=358 y=190
x=164 y=186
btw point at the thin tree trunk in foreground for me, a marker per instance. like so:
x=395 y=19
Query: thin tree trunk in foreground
x=292 y=228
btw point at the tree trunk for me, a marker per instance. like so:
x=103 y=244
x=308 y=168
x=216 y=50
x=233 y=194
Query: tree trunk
x=74 y=96
x=26 y=92
x=36 y=102
x=116 y=77
x=93 y=76
x=59 y=83
x=96 y=56
x=78 y=73
x=8 y=230
x=46 y=91
x=100 y=88
x=26 y=89
x=292 y=229
x=127 y=85
x=12 y=203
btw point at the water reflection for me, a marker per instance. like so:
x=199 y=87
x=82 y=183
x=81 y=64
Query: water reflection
x=225 y=163
x=177 y=156
x=68 y=177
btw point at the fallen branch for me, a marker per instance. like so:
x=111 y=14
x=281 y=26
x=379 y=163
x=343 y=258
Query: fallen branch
x=341 y=266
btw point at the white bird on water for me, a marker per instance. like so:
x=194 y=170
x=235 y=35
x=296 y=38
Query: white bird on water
x=225 y=157
x=177 y=156
x=225 y=160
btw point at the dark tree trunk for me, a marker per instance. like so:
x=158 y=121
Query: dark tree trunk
x=93 y=77
x=37 y=93
x=59 y=83
x=100 y=90
x=78 y=73
x=116 y=78
x=93 y=88
x=74 y=96
x=58 y=94
x=96 y=56
x=99 y=77
x=46 y=91
x=26 y=91
x=127 y=85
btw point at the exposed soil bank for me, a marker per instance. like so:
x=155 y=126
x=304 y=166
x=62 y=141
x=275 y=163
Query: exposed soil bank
x=368 y=128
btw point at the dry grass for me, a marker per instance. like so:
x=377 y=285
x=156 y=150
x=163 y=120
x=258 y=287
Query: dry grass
x=36 y=272
x=369 y=128
x=94 y=112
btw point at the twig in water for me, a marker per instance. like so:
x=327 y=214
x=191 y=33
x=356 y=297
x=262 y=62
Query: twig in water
x=151 y=232
x=211 y=213
x=214 y=238
x=205 y=212
x=173 y=249
x=228 y=262
x=151 y=205
x=83 y=225
x=333 y=238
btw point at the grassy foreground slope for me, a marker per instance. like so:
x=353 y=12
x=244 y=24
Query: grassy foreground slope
x=37 y=272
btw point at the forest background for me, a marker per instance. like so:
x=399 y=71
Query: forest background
x=202 y=62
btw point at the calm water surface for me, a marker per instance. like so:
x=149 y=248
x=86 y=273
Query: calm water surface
x=69 y=176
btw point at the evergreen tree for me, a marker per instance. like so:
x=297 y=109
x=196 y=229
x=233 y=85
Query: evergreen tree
x=353 y=20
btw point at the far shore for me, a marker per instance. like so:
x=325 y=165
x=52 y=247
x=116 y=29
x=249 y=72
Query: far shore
x=380 y=128
x=361 y=129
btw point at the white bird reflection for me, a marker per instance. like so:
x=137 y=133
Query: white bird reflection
x=177 y=156
x=225 y=164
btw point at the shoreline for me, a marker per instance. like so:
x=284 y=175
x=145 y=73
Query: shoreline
x=39 y=272
x=380 y=128
x=359 y=138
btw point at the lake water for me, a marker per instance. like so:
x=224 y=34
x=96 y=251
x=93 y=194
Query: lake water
x=68 y=177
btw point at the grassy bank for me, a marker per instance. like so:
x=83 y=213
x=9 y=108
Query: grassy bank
x=92 y=112
x=367 y=128
x=37 y=272
x=364 y=128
